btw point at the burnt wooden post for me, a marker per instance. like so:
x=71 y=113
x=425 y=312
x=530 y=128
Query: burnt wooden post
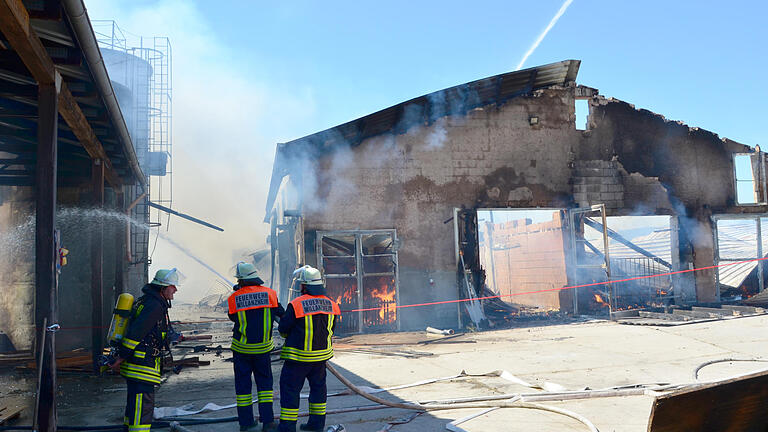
x=97 y=258
x=45 y=249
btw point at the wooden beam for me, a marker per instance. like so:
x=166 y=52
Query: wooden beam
x=45 y=252
x=14 y=23
x=71 y=113
x=97 y=259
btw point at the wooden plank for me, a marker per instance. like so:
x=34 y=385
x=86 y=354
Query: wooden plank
x=8 y=413
x=690 y=313
x=745 y=310
x=664 y=316
x=737 y=404
x=713 y=311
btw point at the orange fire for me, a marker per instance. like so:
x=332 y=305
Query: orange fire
x=599 y=300
x=387 y=297
x=347 y=297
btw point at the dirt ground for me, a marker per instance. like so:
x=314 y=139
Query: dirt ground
x=591 y=354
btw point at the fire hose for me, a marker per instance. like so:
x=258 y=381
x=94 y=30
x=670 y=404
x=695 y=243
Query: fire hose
x=512 y=403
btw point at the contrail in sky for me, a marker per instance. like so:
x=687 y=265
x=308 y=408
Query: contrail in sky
x=544 y=33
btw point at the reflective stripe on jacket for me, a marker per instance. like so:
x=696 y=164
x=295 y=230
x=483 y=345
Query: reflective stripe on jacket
x=145 y=337
x=308 y=326
x=252 y=309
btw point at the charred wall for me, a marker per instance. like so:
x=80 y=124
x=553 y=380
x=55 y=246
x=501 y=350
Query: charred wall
x=525 y=153
x=492 y=157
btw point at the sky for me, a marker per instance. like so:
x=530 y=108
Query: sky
x=250 y=74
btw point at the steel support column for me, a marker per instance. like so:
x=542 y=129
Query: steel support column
x=97 y=259
x=45 y=250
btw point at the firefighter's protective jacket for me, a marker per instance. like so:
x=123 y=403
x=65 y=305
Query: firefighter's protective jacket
x=144 y=340
x=307 y=327
x=253 y=308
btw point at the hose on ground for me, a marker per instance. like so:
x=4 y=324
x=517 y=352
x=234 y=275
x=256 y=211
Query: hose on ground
x=705 y=364
x=419 y=407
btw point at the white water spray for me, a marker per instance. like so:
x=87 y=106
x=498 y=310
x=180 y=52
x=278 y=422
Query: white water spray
x=544 y=33
x=21 y=238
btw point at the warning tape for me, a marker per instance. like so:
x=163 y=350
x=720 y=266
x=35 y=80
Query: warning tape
x=490 y=297
x=558 y=289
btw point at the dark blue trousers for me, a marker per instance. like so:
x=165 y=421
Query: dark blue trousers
x=291 y=381
x=260 y=366
x=139 y=407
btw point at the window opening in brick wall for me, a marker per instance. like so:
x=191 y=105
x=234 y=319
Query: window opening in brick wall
x=749 y=176
x=740 y=238
x=582 y=114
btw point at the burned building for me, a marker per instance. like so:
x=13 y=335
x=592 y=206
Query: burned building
x=388 y=205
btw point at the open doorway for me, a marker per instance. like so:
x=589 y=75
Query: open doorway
x=522 y=252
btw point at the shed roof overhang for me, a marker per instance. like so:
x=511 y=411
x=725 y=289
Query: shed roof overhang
x=42 y=42
x=422 y=110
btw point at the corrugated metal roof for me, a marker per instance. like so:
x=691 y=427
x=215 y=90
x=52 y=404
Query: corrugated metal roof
x=423 y=110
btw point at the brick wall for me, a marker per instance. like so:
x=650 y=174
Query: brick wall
x=598 y=182
x=529 y=257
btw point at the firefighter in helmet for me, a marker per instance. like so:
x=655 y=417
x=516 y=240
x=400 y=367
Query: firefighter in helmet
x=253 y=307
x=307 y=327
x=139 y=358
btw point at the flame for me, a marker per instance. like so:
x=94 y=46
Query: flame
x=599 y=300
x=386 y=297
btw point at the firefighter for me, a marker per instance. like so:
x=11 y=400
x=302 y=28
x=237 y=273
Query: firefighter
x=253 y=307
x=307 y=327
x=139 y=356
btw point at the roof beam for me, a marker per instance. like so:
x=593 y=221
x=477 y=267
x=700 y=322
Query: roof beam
x=15 y=25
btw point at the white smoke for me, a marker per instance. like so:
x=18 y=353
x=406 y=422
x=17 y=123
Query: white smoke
x=544 y=33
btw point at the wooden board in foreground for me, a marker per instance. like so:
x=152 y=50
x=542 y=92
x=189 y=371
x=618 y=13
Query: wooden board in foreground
x=737 y=404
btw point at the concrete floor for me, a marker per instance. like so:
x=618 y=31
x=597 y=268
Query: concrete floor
x=594 y=354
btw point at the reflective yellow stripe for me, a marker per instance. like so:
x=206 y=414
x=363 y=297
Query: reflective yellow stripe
x=137 y=410
x=139 y=354
x=267 y=322
x=289 y=353
x=330 y=332
x=259 y=348
x=317 y=408
x=308 y=333
x=140 y=368
x=244 y=400
x=289 y=414
x=141 y=377
x=243 y=326
x=130 y=343
x=266 y=396
x=138 y=428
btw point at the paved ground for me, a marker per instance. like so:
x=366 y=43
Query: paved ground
x=594 y=354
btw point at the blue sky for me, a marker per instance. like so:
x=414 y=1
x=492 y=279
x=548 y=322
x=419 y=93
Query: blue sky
x=700 y=62
x=248 y=74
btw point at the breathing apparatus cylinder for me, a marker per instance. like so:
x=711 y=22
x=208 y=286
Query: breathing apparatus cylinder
x=120 y=319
